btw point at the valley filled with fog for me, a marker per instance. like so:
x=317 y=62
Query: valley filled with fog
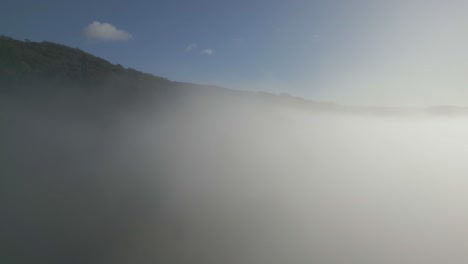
x=228 y=180
x=234 y=132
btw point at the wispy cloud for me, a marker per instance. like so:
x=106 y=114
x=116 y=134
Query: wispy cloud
x=207 y=52
x=105 y=32
x=191 y=47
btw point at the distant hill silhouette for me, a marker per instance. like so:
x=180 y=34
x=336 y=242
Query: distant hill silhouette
x=54 y=66
x=46 y=70
x=28 y=60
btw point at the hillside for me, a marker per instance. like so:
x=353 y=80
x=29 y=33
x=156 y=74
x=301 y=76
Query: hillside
x=45 y=71
x=22 y=61
x=42 y=67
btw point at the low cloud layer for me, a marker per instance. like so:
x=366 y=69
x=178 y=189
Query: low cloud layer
x=105 y=32
x=224 y=179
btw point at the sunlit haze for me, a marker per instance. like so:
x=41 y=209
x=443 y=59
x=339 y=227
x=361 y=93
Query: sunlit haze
x=234 y=132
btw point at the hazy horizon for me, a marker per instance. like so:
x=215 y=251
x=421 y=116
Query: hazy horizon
x=397 y=53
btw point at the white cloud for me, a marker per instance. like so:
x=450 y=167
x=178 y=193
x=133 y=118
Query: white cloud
x=191 y=47
x=105 y=32
x=207 y=52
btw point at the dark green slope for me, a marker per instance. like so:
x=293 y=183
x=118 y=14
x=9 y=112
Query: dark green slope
x=54 y=65
x=29 y=60
x=45 y=69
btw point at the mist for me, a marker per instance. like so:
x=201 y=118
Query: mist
x=230 y=180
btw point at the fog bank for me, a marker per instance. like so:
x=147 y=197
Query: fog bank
x=232 y=181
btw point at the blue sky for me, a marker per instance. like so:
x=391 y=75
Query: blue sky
x=333 y=50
